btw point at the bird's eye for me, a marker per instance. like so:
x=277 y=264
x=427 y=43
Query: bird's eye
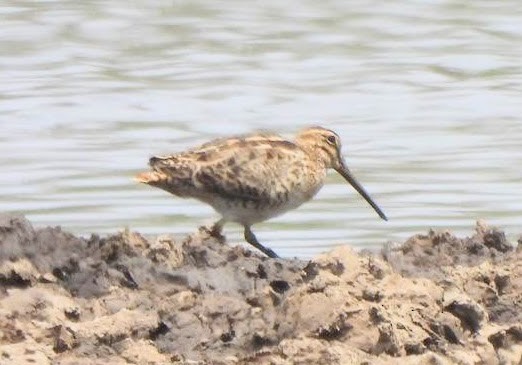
x=331 y=139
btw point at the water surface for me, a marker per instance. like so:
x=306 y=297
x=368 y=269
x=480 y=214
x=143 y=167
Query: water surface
x=426 y=96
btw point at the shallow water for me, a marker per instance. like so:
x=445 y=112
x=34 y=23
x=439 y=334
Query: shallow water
x=425 y=95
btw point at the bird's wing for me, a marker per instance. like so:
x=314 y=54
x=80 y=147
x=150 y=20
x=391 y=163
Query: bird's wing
x=252 y=171
x=250 y=167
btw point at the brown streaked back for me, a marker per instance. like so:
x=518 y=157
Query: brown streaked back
x=250 y=167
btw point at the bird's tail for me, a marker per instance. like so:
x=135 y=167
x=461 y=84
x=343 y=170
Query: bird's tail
x=156 y=175
x=149 y=177
x=157 y=162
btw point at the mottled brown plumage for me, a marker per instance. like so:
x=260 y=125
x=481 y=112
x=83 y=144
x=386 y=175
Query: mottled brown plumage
x=251 y=178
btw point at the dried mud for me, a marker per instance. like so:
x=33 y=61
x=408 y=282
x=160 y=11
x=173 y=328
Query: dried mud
x=126 y=299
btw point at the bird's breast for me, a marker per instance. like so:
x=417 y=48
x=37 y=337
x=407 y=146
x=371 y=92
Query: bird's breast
x=279 y=198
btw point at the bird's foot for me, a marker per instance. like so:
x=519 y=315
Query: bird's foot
x=251 y=238
x=214 y=231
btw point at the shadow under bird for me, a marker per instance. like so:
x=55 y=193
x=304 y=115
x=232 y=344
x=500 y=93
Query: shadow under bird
x=254 y=177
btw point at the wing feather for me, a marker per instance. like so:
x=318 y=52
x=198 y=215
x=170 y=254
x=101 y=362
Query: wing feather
x=253 y=171
x=251 y=167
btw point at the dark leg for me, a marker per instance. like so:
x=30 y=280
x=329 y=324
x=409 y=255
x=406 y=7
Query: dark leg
x=214 y=230
x=217 y=228
x=251 y=238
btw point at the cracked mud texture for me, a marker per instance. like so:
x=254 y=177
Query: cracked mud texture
x=126 y=299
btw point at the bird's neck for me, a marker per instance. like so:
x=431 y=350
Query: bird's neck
x=315 y=153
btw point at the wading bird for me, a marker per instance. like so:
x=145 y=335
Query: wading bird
x=251 y=178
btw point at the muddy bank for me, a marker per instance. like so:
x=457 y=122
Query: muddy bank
x=436 y=299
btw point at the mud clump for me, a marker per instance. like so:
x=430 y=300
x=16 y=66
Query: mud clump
x=126 y=299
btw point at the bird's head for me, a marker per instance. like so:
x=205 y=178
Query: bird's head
x=325 y=145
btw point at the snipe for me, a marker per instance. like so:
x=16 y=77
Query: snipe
x=251 y=178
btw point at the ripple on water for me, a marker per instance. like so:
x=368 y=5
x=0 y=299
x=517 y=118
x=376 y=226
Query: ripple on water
x=426 y=97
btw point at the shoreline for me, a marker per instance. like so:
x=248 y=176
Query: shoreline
x=125 y=299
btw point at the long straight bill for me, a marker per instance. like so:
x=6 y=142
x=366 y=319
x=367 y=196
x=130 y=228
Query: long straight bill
x=353 y=182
